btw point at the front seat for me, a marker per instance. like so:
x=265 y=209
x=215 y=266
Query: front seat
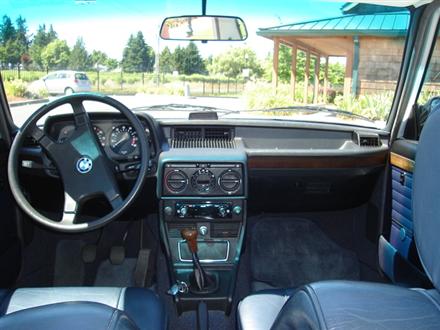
x=358 y=305
x=81 y=308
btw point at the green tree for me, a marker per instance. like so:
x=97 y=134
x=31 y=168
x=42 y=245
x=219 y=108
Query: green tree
x=7 y=30
x=188 y=60
x=78 y=59
x=111 y=63
x=232 y=62
x=137 y=55
x=166 y=61
x=40 y=41
x=56 y=55
x=97 y=58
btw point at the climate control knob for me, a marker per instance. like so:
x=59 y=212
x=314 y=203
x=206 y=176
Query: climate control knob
x=203 y=180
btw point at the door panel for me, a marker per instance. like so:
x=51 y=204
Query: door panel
x=398 y=256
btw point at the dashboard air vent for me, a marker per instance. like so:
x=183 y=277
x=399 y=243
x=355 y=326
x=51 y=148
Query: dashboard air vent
x=176 y=181
x=368 y=140
x=203 y=137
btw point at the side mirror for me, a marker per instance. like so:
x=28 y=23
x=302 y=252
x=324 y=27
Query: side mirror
x=204 y=28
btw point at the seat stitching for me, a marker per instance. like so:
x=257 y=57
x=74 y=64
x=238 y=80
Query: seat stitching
x=316 y=305
x=427 y=295
x=119 y=297
x=111 y=318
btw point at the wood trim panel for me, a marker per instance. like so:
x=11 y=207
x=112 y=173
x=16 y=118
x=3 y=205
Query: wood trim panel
x=401 y=162
x=317 y=162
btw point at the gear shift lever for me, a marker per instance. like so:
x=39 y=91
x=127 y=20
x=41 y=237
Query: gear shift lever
x=202 y=280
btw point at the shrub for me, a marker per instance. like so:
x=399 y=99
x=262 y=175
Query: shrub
x=373 y=106
x=17 y=88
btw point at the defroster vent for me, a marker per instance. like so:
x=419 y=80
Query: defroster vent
x=203 y=137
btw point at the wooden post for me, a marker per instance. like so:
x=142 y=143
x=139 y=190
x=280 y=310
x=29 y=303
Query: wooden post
x=276 y=48
x=316 y=78
x=324 y=96
x=293 y=71
x=306 y=77
x=348 y=74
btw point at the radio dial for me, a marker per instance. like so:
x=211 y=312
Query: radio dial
x=184 y=211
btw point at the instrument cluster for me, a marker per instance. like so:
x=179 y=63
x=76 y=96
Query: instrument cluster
x=117 y=137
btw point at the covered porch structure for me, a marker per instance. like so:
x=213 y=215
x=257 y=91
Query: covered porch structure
x=333 y=37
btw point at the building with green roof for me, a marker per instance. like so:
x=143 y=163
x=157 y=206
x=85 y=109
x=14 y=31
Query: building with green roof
x=371 y=38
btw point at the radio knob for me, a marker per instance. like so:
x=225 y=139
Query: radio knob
x=168 y=210
x=183 y=211
x=222 y=211
x=237 y=210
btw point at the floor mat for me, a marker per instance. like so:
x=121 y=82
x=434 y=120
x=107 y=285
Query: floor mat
x=290 y=252
x=69 y=268
x=116 y=275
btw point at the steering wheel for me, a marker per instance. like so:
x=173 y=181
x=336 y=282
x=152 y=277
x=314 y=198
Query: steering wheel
x=84 y=168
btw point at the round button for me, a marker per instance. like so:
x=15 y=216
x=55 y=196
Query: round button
x=237 y=210
x=168 y=210
x=203 y=230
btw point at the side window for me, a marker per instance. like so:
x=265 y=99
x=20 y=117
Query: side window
x=62 y=75
x=429 y=97
x=51 y=76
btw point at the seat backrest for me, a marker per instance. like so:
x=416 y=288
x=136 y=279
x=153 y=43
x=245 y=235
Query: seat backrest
x=426 y=198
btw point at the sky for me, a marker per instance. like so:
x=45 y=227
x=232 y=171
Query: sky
x=107 y=24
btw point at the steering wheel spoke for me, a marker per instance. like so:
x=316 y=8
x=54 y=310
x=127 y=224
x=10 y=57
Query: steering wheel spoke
x=115 y=201
x=70 y=210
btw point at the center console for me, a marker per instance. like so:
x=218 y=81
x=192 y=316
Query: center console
x=206 y=196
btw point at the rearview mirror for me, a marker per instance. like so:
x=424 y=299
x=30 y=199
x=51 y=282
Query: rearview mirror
x=204 y=28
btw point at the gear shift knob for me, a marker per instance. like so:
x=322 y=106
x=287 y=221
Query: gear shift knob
x=190 y=235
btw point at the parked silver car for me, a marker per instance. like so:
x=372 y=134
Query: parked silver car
x=66 y=82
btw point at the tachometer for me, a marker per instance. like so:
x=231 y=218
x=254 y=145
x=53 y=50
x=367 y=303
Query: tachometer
x=123 y=140
x=100 y=135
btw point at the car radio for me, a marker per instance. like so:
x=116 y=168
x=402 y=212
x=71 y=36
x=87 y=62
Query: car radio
x=206 y=211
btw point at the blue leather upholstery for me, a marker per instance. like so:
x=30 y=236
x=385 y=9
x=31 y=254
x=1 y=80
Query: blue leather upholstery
x=68 y=316
x=402 y=220
x=426 y=198
x=142 y=306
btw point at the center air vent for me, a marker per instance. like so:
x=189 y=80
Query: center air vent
x=176 y=181
x=368 y=140
x=203 y=137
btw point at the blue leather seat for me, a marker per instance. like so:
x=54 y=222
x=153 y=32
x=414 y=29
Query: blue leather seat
x=81 y=308
x=358 y=305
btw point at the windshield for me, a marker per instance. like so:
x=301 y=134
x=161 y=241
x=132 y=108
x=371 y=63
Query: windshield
x=313 y=61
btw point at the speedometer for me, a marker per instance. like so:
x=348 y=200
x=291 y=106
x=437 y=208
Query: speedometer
x=123 y=140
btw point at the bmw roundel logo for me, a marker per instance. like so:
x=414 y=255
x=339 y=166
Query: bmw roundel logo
x=84 y=165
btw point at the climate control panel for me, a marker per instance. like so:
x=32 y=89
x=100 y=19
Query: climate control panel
x=203 y=179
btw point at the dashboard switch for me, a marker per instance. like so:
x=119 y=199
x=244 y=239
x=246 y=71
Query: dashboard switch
x=203 y=230
x=237 y=210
